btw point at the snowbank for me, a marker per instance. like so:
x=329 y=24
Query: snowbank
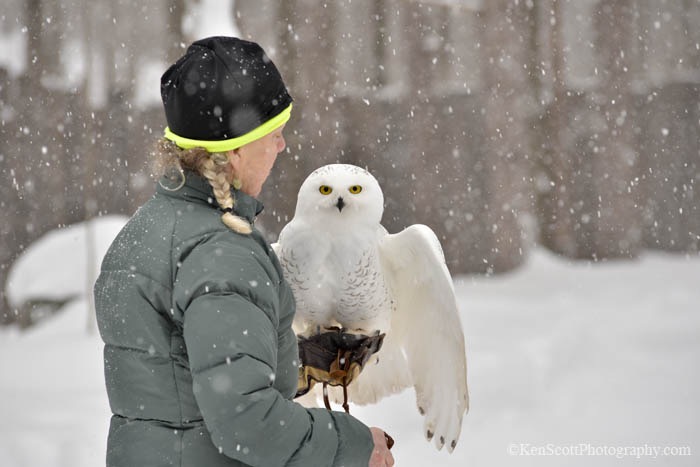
x=55 y=267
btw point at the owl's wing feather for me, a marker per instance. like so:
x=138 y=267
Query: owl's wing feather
x=383 y=375
x=427 y=326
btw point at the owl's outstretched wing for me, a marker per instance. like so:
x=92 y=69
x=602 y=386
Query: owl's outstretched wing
x=427 y=327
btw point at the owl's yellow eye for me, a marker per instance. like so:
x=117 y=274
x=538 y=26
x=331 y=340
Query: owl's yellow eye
x=325 y=190
x=355 y=189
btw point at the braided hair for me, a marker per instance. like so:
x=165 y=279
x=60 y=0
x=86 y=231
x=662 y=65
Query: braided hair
x=210 y=165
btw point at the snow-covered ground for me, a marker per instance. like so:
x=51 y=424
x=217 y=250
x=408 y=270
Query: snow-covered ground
x=568 y=358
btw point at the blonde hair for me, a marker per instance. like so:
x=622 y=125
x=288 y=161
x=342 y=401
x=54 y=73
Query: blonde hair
x=210 y=165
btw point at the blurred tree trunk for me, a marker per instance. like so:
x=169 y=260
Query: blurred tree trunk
x=12 y=231
x=669 y=138
x=38 y=151
x=509 y=100
x=262 y=21
x=7 y=196
x=614 y=214
x=671 y=161
x=419 y=176
x=553 y=178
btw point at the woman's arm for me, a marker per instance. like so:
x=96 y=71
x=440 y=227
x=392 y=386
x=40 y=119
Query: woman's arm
x=231 y=347
x=230 y=330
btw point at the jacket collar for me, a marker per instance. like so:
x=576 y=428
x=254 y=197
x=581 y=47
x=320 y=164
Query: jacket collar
x=197 y=189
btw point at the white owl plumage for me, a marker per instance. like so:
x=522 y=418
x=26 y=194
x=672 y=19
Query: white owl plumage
x=346 y=270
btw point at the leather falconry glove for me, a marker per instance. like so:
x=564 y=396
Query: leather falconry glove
x=335 y=357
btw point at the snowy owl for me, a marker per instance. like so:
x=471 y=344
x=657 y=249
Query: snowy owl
x=347 y=271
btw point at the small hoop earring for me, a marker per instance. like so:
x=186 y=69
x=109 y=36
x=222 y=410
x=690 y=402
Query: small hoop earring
x=174 y=178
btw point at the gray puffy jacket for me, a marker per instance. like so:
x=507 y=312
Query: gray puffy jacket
x=200 y=359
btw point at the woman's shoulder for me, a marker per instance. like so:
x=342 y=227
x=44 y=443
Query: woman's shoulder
x=189 y=220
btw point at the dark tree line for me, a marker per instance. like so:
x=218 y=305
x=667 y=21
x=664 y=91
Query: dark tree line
x=501 y=124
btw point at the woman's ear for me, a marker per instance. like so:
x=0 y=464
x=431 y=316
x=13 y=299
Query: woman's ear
x=234 y=156
x=234 y=168
x=234 y=161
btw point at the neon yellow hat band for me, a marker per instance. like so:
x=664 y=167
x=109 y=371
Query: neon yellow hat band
x=233 y=143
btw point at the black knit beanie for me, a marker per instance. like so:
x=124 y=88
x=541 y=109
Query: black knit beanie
x=223 y=93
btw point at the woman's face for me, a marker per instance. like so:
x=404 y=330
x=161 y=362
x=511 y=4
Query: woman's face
x=252 y=163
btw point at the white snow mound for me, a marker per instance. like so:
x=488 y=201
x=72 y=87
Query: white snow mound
x=55 y=267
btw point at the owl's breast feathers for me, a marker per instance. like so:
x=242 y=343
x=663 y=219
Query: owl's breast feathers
x=342 y=284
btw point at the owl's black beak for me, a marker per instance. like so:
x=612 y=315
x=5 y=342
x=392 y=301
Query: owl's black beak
x=340 y=204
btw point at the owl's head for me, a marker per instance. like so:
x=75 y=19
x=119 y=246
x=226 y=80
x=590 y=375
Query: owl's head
x=340 y=192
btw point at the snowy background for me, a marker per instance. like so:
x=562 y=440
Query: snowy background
x=560 y=354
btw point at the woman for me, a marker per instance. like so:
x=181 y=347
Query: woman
x=200 y=359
